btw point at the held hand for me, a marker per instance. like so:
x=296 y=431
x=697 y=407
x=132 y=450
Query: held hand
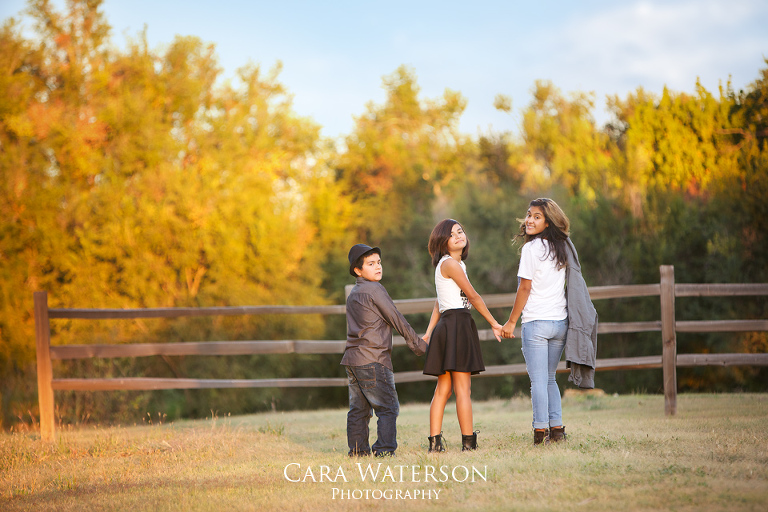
x=497 y=331
x=508 y=329
x=425 y=338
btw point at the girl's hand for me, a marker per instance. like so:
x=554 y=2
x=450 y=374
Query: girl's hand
x=508 y=329
x=426 y=338
x=497 y=331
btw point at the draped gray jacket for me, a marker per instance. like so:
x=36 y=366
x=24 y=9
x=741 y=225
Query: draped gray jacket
x=581 y=340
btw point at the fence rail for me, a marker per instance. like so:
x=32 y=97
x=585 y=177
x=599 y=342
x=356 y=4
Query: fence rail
x=669 y=360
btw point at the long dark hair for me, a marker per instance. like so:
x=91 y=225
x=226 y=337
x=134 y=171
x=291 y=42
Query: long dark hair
x=438 y=241
x=555 y=234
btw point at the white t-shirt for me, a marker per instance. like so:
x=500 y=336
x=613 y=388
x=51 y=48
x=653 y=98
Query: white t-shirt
x=547 y=299
x=449 y=295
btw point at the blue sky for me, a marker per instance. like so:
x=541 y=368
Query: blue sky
x=335 y=54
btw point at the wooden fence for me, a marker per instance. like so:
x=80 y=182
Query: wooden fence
x=669 y=360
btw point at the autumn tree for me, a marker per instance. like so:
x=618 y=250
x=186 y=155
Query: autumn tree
x=745 y=187
x=563 y=143
x=400 y=163
x=139 y=178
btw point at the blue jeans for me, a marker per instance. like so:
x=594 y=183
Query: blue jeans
x=372 y=388
x=543 y=344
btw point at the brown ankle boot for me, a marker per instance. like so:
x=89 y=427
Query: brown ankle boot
x=540 y=435
x=557 y=434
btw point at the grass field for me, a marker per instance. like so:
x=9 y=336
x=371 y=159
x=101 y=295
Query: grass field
x=622 y=454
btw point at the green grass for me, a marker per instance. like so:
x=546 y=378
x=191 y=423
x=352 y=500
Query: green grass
x=622 y=454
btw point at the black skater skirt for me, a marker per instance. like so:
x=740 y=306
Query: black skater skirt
x=454 y=345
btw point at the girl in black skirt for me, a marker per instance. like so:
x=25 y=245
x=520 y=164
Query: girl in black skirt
x=454 y=353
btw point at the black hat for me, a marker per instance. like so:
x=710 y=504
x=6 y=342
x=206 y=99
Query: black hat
x=356 y=251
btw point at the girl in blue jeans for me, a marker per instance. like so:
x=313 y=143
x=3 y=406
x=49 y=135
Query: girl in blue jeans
x=541 y=301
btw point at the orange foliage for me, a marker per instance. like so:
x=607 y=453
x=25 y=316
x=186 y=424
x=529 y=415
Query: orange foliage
x=44 y=116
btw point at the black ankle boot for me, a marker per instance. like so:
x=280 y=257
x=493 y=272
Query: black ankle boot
x=436 y=443
x=469 y=442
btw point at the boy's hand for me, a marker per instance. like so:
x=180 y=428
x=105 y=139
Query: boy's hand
x=508 y=329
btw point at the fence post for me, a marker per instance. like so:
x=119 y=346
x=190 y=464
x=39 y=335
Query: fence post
x=669 y=339
x=44 y=367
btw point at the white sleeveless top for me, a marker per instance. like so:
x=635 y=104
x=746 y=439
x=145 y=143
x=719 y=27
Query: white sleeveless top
x=449 y=295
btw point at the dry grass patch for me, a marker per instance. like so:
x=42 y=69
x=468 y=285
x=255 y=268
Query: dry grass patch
x=622 y=453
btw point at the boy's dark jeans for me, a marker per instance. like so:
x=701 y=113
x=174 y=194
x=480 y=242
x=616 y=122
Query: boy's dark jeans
x=372 y=388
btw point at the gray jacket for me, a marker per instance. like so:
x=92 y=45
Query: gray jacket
x=581 y=340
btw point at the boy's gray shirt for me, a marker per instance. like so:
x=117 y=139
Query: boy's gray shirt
x=371 y=316
x=581 y=340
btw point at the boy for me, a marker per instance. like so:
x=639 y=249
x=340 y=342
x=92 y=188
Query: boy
x=371 y=315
